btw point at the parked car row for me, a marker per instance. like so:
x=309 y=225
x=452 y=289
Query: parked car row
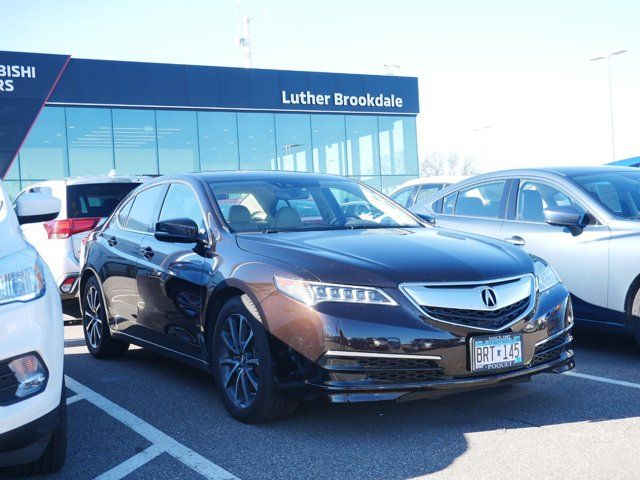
x=289 y=286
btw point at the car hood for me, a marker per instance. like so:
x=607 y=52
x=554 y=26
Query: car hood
x=388 y=257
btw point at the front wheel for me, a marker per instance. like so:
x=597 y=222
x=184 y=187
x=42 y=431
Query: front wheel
x=243 y=367
x=94 y=324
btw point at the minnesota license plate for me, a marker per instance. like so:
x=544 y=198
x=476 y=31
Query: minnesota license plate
x=496 y=352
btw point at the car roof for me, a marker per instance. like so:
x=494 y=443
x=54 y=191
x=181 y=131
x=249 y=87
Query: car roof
x=448 y=179
x=260 y=175
x=557 y=171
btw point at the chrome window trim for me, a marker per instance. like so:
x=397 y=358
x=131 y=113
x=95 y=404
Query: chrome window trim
x=488 y=283
x=404 y=356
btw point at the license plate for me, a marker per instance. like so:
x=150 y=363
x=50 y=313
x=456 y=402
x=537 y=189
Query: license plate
x=496 y=352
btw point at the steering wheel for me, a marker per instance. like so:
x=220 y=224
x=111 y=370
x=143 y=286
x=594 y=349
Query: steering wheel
x=341 y=221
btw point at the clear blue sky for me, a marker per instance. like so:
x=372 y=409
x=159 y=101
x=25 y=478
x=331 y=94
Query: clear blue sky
x=520 y=67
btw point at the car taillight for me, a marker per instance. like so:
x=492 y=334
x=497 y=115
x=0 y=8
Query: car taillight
x=70 y=226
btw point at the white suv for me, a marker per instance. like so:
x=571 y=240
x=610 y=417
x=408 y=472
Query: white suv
x=85 y=202
x=33 y=428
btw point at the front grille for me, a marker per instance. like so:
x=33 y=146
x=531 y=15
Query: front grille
x=8 y=385
x=415 y=376
x=551 y=350
x=392 y=363
x=383 y=370
x=492 y=319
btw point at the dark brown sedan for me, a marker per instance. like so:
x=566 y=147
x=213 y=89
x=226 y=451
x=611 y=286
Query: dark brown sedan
x=273 y=282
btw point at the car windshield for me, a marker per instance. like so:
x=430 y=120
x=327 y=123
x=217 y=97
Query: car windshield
x=300 y=204
x=618 y=192
x=96 y=199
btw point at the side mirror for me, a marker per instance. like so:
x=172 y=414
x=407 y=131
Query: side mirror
x=430 y=219
x=565 y=216
x=177 y=230
x=32 y=207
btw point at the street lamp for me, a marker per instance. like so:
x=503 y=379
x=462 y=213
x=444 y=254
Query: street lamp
x=608 y=59
x=480 y=131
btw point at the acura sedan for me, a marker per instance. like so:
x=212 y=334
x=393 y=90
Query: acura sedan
x=585 y=221
x=266 y=280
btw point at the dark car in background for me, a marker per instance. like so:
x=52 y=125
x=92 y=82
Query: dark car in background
x=276 y=285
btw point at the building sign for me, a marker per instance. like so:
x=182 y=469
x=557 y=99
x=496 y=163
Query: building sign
x=341 y=100
x=8 y=74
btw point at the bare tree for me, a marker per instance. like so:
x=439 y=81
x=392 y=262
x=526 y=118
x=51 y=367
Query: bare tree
x=447 y=164
x=469 y=166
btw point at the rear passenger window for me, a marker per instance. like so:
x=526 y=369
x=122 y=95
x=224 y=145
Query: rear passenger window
x=482 y=200
x=123 y=214
x=145 y=207
x=181 y=202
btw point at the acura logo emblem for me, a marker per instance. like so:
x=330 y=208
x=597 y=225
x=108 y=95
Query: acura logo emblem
x=489 y=297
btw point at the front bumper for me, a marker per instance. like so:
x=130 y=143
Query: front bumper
x=27 y=443
x=34 y=326
x=364 y=353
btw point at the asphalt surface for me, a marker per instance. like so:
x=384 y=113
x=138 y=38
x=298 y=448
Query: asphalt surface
x=556 y=426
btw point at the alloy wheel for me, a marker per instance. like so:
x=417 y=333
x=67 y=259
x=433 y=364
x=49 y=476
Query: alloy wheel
x=92 y=317
x=238 y=361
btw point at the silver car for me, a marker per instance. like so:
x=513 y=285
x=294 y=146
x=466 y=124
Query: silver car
x=585 y=221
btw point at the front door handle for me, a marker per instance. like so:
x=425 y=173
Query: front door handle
x=147 y=252
x=112 y=241
x=516 y=240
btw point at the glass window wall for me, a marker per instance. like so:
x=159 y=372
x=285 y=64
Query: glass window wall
x=293 y=134
x=257 y=141
x=218 y=136
x=135 y=143
x=379 y=150
x=90 y=140
x=177 y=141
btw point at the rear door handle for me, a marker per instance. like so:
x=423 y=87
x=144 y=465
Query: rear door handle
x=147 y=252
x=112 y=241
x=516 y=240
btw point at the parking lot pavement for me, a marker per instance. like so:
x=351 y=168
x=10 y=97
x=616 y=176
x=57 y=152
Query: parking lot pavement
x=144 y=416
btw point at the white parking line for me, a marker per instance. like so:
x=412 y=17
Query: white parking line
x=129 y=466
x=602 y=379
x=73 y=399
x=160 y=439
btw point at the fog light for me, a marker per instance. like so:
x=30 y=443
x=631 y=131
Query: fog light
x=30 y=374
x=67 y=285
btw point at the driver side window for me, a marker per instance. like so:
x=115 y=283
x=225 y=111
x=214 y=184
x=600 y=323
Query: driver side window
x=534 y=197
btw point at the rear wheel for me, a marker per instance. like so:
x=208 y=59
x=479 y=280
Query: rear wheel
x=243 y=367
x=94 y=324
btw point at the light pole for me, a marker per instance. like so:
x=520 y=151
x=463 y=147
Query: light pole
x=608 y=59
x=480 y=132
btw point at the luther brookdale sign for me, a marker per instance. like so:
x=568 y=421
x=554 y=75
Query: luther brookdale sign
x=341 y=100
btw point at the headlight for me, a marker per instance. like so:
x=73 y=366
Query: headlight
x=312 y=293
x=547 y=277
x=21 y=277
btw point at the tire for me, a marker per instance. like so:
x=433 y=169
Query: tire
x=54 y=454
x=243 y=368
x=95 y=326
x=634 y=314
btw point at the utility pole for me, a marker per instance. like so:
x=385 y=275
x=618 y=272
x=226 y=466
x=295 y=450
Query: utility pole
x=608 y=59
x=244 y=40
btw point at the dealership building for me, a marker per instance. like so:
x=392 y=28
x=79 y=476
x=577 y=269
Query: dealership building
x=62 y=116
